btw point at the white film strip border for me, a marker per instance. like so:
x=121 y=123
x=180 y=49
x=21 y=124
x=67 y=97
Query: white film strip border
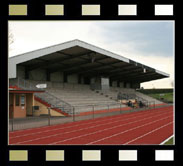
x=164 y=10
x=92 y=10
x=91 y=155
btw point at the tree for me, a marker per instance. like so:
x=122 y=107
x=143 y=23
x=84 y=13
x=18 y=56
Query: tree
x=10 y=38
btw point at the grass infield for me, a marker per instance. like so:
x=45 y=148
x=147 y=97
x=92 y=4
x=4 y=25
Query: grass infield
x=169 y=142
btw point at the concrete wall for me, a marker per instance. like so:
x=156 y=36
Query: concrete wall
x=72 y=78
x=105 y=83
x=38 y=74
x=127 y=85
x=136 y=85
x=57 y=77
x=21 y=71
x=82 y=80
x=114 y=84
x=43 y=110
x=121 y=84
x=95 y=83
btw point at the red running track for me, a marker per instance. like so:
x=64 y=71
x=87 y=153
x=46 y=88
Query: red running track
x=144 y=127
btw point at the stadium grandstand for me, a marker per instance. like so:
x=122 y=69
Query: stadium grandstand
x=76 y=74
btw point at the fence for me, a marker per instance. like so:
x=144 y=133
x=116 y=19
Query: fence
x=78 y=113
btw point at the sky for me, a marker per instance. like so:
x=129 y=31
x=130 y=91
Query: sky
x=147 y=42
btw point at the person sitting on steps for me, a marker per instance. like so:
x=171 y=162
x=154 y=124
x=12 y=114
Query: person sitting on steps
x=130 y=104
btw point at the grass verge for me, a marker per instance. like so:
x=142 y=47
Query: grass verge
x=169 y=142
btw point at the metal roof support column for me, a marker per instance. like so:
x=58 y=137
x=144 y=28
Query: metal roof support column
x=65 y=77
x=118 y=83
x=110 y=82
x=125 y=84
x=26 y=73
x=79 y=79
x=47 y=75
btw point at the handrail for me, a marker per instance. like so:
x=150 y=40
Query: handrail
x=58 y=98
x=103 y=104
x=127 y=96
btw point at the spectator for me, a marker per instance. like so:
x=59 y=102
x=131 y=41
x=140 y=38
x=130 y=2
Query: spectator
x=135 y=104
x=129 y=103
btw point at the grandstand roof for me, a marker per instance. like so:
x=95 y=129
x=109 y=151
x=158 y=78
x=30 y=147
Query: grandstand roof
x=78 y=57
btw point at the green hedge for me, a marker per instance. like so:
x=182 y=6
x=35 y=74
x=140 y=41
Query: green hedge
x=155 y=91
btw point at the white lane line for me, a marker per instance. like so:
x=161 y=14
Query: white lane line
x=37 y=128
x=99 y=131
x=147 y=133
x=11 y=137
x=30 y=140
x=126 y=131
x=65 y=127
x=162 y=143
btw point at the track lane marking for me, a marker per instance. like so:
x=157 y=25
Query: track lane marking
x=148 y=133
x=99 y=131
x=118 y=117
x=167 y=139
x=96 y=120
x=20 y=142
x=125 y=131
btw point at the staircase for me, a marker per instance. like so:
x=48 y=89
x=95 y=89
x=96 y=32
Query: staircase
x=55 y=102
x=83 y=100
x=148 y=98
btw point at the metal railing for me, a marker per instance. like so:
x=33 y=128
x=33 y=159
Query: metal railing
x=22 y=83
x=125 y=96
x=78 y=113
x=46 y=96
x=75 y=113
x=54 y=101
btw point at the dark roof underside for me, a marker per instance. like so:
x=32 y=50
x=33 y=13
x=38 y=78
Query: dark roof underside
x=84 y=62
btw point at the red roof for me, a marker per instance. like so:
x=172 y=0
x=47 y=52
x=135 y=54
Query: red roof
x=16 y=89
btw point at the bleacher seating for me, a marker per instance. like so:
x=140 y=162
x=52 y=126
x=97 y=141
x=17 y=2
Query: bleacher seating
x=127 y=94
x=81 y=96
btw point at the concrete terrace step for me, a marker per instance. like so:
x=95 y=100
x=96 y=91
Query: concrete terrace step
x=148 y=98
